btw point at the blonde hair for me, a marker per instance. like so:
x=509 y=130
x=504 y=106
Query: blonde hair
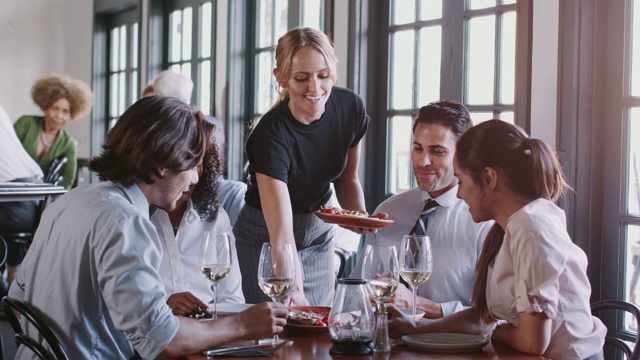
x=294 y=40
x=51 y=88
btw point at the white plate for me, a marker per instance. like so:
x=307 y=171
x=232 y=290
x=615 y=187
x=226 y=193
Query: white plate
x=445 y=341
x=409 y=313
x=230 y=309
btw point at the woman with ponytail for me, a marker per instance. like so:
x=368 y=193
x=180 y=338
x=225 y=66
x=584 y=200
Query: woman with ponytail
x=530 y=277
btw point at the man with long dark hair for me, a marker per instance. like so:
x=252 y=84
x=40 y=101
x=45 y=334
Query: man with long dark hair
x=91 y=272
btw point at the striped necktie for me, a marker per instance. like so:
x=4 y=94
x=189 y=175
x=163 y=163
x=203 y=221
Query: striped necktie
x=421 y=225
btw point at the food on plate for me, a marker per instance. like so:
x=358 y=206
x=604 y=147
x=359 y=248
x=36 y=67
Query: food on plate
x=308 y=315
x=337 y=211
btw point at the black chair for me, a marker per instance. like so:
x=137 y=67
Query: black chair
x=52 y=175
x=612 y=338
x=11 y=306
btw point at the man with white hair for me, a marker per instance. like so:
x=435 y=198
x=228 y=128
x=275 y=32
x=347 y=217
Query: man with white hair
x=172 y=84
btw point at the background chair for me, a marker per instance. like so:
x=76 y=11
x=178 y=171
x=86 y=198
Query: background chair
x=613 y=338
x=52 y=175
x=11 y=306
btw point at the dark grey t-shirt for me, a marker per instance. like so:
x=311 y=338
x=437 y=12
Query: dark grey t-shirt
x=306 y=157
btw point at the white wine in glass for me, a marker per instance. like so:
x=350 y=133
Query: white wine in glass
x=215 y=261
x=276 y=274
x=416 y=262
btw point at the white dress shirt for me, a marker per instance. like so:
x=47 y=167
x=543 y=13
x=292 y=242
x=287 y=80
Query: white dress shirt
x=456 y=242
x=15 y=162
x=180 y=268
x=91 y=273
x=539 y=269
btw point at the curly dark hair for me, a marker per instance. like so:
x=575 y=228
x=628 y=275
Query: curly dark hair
x=49 y=89
x=154 y=132
x=205 y=193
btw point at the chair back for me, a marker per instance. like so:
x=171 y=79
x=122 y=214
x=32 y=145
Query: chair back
x=10 y=307
x=53 y=171
x=612 y=338
x=3 y=251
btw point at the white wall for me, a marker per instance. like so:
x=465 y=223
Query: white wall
x=38 y=37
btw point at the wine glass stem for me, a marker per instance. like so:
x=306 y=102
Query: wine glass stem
x=214 y=287
x=414 y=301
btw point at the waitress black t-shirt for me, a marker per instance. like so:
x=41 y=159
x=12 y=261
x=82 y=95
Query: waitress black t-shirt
x=306 y=157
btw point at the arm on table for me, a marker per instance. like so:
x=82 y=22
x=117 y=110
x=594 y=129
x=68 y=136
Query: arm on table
x=531 y=336
x=465 y=321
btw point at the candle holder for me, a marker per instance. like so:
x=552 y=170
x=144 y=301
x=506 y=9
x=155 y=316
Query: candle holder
x=350 y=320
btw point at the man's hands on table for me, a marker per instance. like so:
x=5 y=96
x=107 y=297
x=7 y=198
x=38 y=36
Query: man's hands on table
x=403 y=298
x=262 y=320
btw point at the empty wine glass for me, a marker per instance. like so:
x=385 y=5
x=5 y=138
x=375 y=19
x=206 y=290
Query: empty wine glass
x=416 y=262
x=380 y=269
x=276 y=274
x=215 y=261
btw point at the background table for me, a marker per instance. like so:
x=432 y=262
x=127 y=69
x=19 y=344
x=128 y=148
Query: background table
x=15 y=191
x=317 y=347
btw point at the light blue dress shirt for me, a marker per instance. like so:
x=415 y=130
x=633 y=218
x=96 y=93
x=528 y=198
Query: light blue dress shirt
x=456 y=242
x=92 y=275
x=180 y=267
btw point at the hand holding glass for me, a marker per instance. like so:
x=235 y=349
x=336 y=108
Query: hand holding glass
x=215 y=261
x=276 y=272
x=416 y=262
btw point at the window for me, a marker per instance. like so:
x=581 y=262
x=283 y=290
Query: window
x=459 y=50
x=191 y=49
x=122 y=65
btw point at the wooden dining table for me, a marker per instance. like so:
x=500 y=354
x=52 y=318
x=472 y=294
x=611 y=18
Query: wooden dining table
x=318 y=346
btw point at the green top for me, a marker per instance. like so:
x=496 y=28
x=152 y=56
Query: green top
x=28 y=129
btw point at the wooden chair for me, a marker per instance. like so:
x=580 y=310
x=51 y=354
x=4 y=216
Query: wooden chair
x=10 y=307
x=612 y=338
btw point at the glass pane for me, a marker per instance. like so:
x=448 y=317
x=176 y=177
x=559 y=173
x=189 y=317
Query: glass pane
x=134 y=86
x=265 y=82
x=205 y=87
x=635 y=50
x=175 y=26
x=430 y=9
x=121 y=92
x=429 y=69
x=508 y=2
x=506 y=116
x=632 y=272
x=265 y=23
x=115 y=49
x=404 y=11
x=186 y=33
x=123 y=48
x=481 y=4
x=633 y=190
x=312 y=13
x=113 y=96
x=480 y=116
x=281 y=22
x=399 y=157
x=175 y=67
x=134 y=46
x=480 y=59
x=508 y=58
x=205 y=33
x=185 y=69
x=402 y=69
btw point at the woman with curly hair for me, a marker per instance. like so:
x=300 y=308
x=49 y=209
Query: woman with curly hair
x=180 y=232
x=61 y=98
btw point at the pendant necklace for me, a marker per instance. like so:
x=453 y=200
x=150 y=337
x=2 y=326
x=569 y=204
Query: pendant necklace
x=44 y=141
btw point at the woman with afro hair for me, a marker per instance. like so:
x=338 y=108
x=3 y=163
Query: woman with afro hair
x=61 y=98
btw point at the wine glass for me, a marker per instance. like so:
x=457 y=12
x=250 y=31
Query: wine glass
x=380 y=269
x=276 y=274
x=416 y=262
x=215 y=261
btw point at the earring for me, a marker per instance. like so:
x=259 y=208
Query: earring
x=278 y=87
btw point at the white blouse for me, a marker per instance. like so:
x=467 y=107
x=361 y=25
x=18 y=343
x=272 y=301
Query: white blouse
x=539 y=269
x=180 y=259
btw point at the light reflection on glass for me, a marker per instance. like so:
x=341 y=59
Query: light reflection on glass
x=399 y=156
x=402 y=76
x=430 y=9
x=429 y=69
x=404 y=11
x=480 y=60
x=508 y=58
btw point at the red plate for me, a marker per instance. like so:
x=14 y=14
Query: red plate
x=309 y=329
x=353 y=220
